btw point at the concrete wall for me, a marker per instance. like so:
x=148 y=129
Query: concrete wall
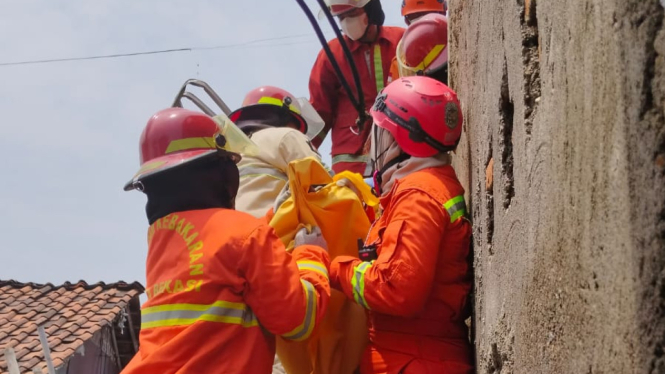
x=563 y=158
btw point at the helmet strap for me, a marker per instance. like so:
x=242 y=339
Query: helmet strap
x=378 y=175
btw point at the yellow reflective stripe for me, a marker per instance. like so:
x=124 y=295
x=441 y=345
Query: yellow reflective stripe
x=187 y=314
x=358 y=283
x=205 y=317
x=150 y=166
x=430 y=57
x=456 y=207
x=346 y=157
x=313 y=266
x=304 y=330
x=278 y=102
x=198 y=307
x=190 y=143
x=378 y=68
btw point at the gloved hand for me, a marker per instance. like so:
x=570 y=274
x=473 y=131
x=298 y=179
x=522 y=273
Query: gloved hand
x=303 y=237
x=345 y=182
x=284 y=194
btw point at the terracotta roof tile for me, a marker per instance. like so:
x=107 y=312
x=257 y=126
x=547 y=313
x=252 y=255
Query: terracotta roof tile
x=71 y=315
x=34 y=362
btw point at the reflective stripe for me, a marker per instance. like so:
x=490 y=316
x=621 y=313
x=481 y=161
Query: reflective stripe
x=363 y=159
x=255 y=171
x=313 y=266
x=456 y=207
x=378 y=68
x=303 y=331
x=190 y=143
x=358 y=283
x=278 y=102
x=187 y=314
x=430 y=57
x=322 y=135
x=346 y=157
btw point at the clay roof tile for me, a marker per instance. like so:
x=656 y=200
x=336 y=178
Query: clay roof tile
x=70 y=313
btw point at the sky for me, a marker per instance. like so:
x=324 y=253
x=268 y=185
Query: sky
x=69 y=131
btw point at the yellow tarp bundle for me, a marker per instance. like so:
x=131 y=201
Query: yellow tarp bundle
x=337 y=345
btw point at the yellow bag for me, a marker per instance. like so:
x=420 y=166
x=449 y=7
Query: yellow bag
x=337 y=345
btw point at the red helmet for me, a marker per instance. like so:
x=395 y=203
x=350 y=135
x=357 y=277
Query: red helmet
x=338 y=7
x=424 y=46
x=271 y=105
x=176 y=136
x=421 y=113
x=416 y=7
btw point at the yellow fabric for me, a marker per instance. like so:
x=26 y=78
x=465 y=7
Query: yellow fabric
x=365 y=190
x=337 y=345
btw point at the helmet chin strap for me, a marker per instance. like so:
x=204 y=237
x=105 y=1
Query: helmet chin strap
x=378 y=174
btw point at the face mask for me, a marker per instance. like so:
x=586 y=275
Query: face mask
x=355 y=27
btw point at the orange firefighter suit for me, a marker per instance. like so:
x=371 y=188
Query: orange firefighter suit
x=394 y=71
x=219 y=285
x=416 y=291
x=329 y=98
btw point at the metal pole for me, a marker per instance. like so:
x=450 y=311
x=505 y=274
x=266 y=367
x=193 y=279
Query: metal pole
x=47 y=351
x=12 y=364
x=116 y=352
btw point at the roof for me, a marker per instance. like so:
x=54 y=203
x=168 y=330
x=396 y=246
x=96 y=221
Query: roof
x=70 y=313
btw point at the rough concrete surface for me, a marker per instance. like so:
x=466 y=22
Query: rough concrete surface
x=564 y=101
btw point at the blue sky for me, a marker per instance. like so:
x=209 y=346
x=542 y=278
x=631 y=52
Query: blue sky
x=69 y=130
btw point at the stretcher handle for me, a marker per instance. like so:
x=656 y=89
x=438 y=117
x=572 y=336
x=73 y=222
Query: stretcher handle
x=177 y=103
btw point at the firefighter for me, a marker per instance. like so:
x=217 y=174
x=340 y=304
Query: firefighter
x=415 y=278
x=273 y=118
x=220 y=284
x=423 y=49
x=414 y=9
x=372 y=46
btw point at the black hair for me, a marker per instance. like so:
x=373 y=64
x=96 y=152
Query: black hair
x=375 y=13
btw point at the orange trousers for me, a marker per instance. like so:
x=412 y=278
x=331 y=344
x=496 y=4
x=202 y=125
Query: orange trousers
x=378 y=361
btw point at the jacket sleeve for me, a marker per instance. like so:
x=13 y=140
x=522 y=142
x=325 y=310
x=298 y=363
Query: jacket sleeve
x=288 y=293
x=399 y=281
x=323 y=88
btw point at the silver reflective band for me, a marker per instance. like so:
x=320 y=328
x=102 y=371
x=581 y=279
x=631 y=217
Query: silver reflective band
x=187 y=314
x=303 y=330
x=245 y=315
x=346 y=157
x=249 y=170
x=456 y=207
x=358 y=283
x=313 y=266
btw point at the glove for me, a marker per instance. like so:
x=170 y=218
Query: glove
x=303 y=237
x=284 y=194
x=345 y=182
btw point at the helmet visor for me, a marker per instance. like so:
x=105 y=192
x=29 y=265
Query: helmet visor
x=314 y=121
x=433 y=61
x=236 y=140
